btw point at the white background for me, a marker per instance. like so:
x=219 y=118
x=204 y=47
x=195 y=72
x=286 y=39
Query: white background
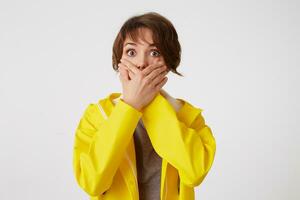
x=241 y=65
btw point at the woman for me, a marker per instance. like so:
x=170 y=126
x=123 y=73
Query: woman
x=143 y=143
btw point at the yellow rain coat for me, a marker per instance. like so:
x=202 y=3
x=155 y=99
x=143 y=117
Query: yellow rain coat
x=104 y=160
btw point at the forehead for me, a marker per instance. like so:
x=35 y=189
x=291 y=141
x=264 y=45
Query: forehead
x=143 y=37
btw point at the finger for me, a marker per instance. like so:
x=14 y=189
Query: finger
x=123 y=74
x=152 y=67
x=129 y=72
x=161 y=84
x=158 y=78
x=123 y=65
x=130 y=65
x=156 y=72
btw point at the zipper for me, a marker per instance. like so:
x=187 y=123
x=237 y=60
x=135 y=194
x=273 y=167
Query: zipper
x=102 y=111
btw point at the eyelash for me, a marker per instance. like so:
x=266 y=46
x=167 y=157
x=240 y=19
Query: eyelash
x=151 y=50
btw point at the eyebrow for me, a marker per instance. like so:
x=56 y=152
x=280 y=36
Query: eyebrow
x=134 y=44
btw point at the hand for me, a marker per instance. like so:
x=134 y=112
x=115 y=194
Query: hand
x=140 y=87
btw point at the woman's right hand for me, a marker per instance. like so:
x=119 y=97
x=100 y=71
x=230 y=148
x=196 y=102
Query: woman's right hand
x=140 y=87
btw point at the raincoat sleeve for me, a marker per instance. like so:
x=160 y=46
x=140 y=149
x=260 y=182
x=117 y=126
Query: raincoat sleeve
x=182 y=138
x=100 y=144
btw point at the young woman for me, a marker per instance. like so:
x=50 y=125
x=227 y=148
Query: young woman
x=143 y=143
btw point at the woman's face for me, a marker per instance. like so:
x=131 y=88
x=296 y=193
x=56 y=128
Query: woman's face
x=143 y=53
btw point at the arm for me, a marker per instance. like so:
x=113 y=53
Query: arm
x=100 y=144
x=182 y=138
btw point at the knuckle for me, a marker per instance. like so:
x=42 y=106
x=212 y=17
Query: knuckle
x=142 y=74
x=146 y=71
x=158 y=70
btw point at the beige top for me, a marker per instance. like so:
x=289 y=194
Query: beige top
x=148 y=162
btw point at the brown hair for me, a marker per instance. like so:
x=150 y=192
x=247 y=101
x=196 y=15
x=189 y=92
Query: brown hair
x=164 y=36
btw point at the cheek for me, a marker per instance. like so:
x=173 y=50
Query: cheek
x=158 y=59
x=126 y=57
x=123 y=56
x=161 y=59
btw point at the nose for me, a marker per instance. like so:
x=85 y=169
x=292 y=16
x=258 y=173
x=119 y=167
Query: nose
x=141 y=67
x=142 y=62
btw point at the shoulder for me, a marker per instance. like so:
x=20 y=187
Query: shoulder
x=187 y=105
x=179 y=104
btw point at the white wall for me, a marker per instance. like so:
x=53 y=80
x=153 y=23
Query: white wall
x=241 y=65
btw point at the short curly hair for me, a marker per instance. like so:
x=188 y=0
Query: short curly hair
x=164 y=36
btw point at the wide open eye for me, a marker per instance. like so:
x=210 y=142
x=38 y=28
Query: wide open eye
x=129 y=52
x=156 y=53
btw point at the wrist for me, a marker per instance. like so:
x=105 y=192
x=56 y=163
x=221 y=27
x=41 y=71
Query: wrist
x=134 y=105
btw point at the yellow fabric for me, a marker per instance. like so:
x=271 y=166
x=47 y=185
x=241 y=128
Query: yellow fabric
x=104 y=160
